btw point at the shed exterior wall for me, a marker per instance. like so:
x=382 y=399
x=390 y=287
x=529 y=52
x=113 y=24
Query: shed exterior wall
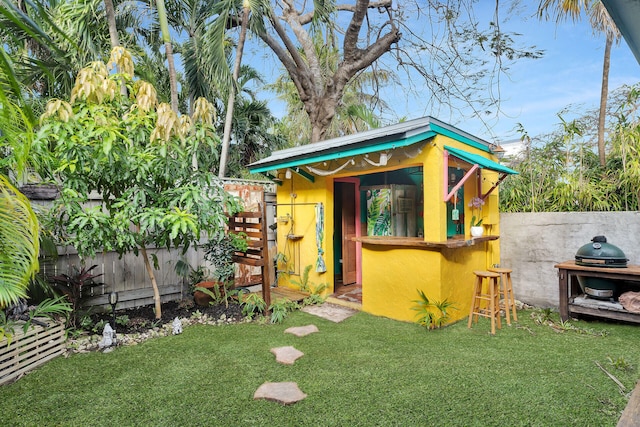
x=392 y=275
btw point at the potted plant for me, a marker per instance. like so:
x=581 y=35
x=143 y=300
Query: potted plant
x=219 y=251
x=476 y=230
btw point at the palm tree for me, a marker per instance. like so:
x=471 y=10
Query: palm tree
x=109 y=11
x=226 y=137
x=50 y=41
x=255 y=132
x=166 y=38
x=191 y=19
x=19 y=230
x=601 y=22
x=20 y=243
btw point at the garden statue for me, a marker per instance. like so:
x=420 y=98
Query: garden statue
x=108 y=337
x=177 y=326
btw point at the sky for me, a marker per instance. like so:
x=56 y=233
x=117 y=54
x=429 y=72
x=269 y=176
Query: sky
x=568 y=75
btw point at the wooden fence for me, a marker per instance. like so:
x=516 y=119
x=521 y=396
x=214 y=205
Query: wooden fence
x=127 y=274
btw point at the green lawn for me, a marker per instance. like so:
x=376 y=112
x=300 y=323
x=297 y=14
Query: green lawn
x=365 y=371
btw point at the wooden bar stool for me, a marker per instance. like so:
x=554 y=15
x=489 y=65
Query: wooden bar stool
x=506 y=290
x=492 y=297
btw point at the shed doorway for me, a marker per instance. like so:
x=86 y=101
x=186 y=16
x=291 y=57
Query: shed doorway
x=346 y=227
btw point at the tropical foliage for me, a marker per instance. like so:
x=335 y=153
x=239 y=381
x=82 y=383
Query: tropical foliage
x=432 y=314
x=18 y=243
x=563 y=174
x=379 y=212
x=73 y=285
x=151 y=169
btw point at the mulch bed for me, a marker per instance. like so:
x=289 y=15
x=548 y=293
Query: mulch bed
x=143 y=318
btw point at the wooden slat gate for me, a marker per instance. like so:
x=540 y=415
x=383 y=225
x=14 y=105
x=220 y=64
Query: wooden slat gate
x=254 y=225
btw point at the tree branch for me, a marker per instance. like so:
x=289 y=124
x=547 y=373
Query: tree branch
x=308 y=17
x=292 y=17
x=290 y=58
x=356 y=59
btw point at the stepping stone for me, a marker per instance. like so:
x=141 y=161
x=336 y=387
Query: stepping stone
x=333 y=312
x=301 y=331
x=287 y=355
x=285 y=393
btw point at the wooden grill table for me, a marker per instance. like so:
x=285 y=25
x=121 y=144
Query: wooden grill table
x=573 y=302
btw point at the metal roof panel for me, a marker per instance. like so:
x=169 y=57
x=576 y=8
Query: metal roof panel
x=400 y=134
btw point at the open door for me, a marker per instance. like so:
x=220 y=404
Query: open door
x=348 y=233
x=345 y=220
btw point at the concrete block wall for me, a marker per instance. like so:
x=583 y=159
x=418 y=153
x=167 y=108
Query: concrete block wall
x=532 y=243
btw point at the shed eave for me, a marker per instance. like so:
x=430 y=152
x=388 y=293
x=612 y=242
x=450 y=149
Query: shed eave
x=340 y=154
x=395 y=136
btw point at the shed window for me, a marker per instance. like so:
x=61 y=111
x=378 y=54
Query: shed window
x=392 y=203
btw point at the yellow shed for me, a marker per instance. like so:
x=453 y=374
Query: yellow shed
x=382 y=214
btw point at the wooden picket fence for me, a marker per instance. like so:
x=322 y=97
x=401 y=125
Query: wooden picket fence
x=28 y=350
x=127 y=275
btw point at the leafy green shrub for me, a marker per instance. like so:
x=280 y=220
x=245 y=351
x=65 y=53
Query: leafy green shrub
x=7 y=327
x=280 y=308
x=122 y=320
x=430 y=314
x=99 y=326
x=51 y=308
x=220 y=294
x=313 y=299
x=306 y=285
x=252 y=305
x=219 y=251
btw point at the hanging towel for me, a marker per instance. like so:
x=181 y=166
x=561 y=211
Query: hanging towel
x=320 y=265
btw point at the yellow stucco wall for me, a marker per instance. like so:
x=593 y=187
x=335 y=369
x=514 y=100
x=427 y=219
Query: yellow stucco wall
x=296 y=200
x=392 y=275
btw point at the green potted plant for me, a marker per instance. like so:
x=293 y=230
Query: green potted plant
x=219 y=251
x=476 y=230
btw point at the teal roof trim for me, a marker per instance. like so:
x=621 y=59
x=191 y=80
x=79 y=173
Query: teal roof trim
x=482 y=162
x=356 y=151
x=398 y=135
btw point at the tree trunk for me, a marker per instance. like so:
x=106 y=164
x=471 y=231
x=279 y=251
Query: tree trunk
x=321 y=94
x=109 y=10
x=321 y=111
x=603 y=99
x=226 y=137
x=154 y=284
x=111 y=19
x=166 y=38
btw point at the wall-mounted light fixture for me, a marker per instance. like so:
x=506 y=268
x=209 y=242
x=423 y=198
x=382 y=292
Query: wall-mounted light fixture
x=383 y=159
x=497 y=151
x=287 y=174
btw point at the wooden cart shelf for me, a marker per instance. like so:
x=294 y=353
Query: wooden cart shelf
x=420 y=243
x=572 y=301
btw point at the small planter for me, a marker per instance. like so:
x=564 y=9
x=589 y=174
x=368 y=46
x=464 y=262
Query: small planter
x=29 y=350
x=40 y=191
x=477 y=231
x=201 y=298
